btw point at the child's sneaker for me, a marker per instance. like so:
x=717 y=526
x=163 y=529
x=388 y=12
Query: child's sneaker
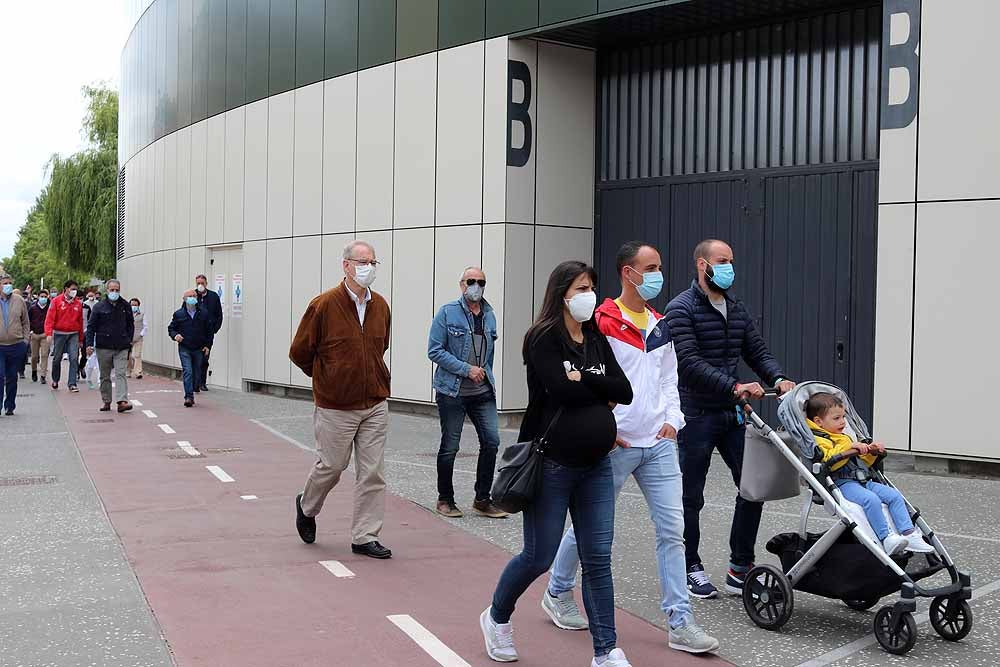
x=699 y=584
x=915 y=543
x=734 y=580
x=895 y=544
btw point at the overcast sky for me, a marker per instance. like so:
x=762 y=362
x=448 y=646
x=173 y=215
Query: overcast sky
x=48 y=50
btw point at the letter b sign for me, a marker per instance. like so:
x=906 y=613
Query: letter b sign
x=517 y=112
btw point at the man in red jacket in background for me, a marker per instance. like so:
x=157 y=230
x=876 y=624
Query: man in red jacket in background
x=64 y=331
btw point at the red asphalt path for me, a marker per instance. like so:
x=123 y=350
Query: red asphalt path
x=230 y=582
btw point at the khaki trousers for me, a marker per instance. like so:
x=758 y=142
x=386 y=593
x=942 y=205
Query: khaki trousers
x=116 y=360
x=135 y=359
x=39 y=352
x=338 y=434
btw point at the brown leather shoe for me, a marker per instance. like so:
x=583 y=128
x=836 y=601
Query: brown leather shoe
x=124 y=406
x=486 y=508
x=106 y=407
x=449 y=509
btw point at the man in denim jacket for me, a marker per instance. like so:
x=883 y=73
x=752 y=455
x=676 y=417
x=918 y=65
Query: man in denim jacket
x=461 y=343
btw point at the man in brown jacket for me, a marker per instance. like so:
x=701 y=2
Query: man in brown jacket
x=15 y=333
x=340 y=344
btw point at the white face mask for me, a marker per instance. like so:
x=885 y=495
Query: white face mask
x=201 y=288
x=474 y=293
x=72 y=294
x=364 y=274
x=581 y=306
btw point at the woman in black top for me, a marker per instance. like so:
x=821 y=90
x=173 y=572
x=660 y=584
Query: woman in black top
x=573 y=384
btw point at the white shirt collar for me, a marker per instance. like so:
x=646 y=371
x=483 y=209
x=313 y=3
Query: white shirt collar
x=354 y=297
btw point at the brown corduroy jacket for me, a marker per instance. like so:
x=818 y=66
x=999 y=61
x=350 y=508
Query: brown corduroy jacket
x=344 y=360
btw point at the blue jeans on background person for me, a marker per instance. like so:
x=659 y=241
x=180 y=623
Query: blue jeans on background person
x=482 y=412
x=658 y=474
x=191 y=367
x=11 y=362
x=706 y=430
x=589 y=495
x=70 y=344
x=870 y=496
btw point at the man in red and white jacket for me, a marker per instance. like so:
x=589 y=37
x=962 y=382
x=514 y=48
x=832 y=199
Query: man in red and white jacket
x=647 y=446
x=64 y=330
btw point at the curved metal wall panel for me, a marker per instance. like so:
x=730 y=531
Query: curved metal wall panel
x=799 y=92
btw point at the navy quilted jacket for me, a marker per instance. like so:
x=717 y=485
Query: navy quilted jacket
x=709 y=349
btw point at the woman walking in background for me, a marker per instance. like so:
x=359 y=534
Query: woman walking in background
x=573 y=383
x=135 y=356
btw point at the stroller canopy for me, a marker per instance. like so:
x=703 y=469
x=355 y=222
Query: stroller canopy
x=792 y=414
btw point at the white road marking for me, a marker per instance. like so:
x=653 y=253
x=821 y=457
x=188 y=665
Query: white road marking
x=248 y=497
x=849 y=649
x=166 y=428
x=337 y=569
x=149 y=413
x=220 y=474
x=431 y=645
x=136 y=403
x=284 y=437
x=159 y=391
x=188 y=449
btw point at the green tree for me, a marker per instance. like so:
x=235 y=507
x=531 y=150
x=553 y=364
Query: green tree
x=79 y=204
x=33 y=259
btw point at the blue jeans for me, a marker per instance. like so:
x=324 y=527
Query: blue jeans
x=70 y=344
x=705 y=431
x=870 y=496
x=658 y=474
x=482 y=411
x=191 y=365
x=589 y=495
x=11 y=362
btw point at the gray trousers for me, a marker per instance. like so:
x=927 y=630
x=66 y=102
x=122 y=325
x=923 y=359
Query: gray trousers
x=118 y=359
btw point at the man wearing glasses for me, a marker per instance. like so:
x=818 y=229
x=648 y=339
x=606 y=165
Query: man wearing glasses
x=461 y=343
x=341 y=343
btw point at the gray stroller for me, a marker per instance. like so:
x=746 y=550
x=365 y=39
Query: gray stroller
x=846 y=562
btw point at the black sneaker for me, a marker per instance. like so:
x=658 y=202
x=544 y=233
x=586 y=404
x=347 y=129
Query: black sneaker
x=306 y=525
x=34 y=376
x=699 y=585
x=734 y=580
x=372 y=549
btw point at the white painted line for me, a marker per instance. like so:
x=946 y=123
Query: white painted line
x=248 y=497
x=159 y=391
x=220 y=474
x=188 y=449
x=166 y=428
x=149 y=413
x=849 y=649
x=433 y=646
x=136 y=403
x=283 y=436
x=337 y=569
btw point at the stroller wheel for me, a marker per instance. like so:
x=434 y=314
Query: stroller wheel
x=895 y=640
x=952 y=619
x=767 y=597
x=862 y=605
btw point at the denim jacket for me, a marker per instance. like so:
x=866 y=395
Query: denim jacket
x=450 y=342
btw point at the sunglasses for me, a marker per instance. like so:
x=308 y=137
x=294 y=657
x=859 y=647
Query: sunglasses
x=472 y=281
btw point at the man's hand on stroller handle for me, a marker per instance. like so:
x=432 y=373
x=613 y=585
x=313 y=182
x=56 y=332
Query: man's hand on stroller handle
x=752 y=391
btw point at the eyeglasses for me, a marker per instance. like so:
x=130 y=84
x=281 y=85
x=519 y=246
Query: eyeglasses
x=473 y=281
x=364 y=262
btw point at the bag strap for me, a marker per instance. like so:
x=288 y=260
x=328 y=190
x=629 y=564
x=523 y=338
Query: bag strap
x=555 y=418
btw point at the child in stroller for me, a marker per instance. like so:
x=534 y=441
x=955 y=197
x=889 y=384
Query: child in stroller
x=852 y=474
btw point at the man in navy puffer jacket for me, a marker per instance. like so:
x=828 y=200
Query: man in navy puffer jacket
x=712 y=331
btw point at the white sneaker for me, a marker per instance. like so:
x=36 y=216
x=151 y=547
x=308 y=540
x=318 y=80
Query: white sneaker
x=499 y=638
x=563 y=611
x=895 y=544
x=915 y=543
x=692 y=639
x=615 y=659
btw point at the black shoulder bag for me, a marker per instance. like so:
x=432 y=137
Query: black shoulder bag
x=520 y=472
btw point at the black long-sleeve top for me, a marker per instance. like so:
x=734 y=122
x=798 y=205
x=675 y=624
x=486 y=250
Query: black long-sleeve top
x=586 y=430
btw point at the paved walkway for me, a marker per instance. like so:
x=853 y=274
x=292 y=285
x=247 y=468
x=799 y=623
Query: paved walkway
x=202 y=501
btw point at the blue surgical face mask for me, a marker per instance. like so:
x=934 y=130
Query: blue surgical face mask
x=191 y=301
x=43 y=301
x=721 y=275
x=652 y=283
x=113 y=296
x=8 y=289
x=135 y=309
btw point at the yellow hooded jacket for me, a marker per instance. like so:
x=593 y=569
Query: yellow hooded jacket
x=836 y=443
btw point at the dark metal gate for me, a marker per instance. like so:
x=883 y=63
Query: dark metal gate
x=804 y=244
